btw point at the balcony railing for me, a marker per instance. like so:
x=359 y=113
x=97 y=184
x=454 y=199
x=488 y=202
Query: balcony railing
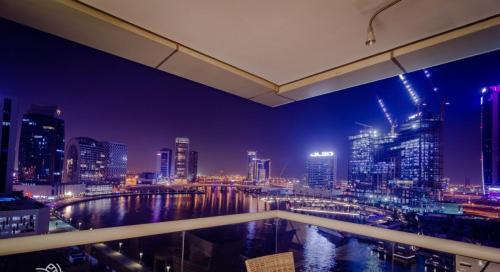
x=27 y=244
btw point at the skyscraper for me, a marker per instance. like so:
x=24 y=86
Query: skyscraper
x=181 y=158
x=262 y=170
x=251 y=159
x=85 y=161
x=321 y=169
x=7 y=144
x=115 y=168
x=490 y=133
x=419 y=146
x=163 y=163
x=41 y=146
x=259 y=170
x=362 y=159
x=370 y=165
x=193 y=166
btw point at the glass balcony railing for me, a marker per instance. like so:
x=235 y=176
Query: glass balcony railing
x=224 y=243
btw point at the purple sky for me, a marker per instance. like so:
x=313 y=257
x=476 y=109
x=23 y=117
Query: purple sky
x=109 y=98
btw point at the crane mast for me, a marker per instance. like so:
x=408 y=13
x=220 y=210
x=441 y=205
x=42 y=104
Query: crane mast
x=387 y=115
x=414 y=96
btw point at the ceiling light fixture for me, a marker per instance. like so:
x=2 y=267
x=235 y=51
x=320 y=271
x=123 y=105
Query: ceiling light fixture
x=370 y=34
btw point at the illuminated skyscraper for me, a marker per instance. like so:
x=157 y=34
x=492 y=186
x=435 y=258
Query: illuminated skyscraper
x=259 y=170
x=163 y=163
x=41 y=146
x=7 y=144
x=262 y=170
x=321 y=169
x=362 y=159
x=490 y=133
x=251 y=157
x=115 y=167
x=193 y=166
x=181 y=158
x=419 y=144
x=370 y=166
x=85 y=161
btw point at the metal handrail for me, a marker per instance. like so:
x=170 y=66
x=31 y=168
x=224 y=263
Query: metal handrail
x=66 y=239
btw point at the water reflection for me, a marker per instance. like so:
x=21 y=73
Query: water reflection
x=315 y=251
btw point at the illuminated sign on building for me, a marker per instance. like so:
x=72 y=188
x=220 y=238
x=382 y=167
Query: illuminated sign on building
x=322 y=154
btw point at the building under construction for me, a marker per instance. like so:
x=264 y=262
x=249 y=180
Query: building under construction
x=404 y=166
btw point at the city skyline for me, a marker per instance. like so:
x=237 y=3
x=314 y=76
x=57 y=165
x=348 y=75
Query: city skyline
x=298 y=129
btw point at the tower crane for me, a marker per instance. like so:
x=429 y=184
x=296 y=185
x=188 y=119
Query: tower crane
x=414 y=96
x=391 y=121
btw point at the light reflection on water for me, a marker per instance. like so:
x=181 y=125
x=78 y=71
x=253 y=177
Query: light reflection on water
x=318 y=254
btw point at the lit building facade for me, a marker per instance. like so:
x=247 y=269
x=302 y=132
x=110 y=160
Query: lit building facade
x=321 y=169
x=85 y=161
x=164 y=164
x=419 y=152
x=490 y=137
x=20 y=216
x=251 y=159
x=116 y=155
x=259 y=170
x=181 y=158
x=147 y=178
x=262 y=170
x=41 y=146
x=7 y=143
x=193 y=166
x=370 y=165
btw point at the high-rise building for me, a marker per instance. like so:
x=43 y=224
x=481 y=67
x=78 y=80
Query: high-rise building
x=85 y=161
x=251 y=159
x=41 y=146
x=181 y=158
x=193 y=166
x=259 y=170
x=362 y=159
x=490 y=137
x=163 y=163
x=7 y=143
x=321 y=169
x=419 y=149
x=115 y=168
x=370 y=165
x=262 y=170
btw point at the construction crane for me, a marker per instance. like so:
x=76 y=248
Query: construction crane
x=363 y=125
x=414 y=96
x=387 y=115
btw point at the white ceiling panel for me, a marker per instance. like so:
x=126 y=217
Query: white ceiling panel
x=342 y=78
x=197 y=67
x=272 y=99
x=478 y=42
x=283 y=40
x=271 y=52
x=79 y=26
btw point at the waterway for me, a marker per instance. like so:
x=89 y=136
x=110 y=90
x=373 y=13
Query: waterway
x=225 y=248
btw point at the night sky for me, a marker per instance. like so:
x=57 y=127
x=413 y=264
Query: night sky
x=109 y=98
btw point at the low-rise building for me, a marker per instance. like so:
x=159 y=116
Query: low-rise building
x=22 y=216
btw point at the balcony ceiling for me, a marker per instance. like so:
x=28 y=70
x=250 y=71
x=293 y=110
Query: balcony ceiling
x=272 y=52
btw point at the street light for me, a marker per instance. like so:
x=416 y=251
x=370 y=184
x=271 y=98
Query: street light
x=140 y=257
x=79 y=225
x=167 y=268
x=120 y=246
